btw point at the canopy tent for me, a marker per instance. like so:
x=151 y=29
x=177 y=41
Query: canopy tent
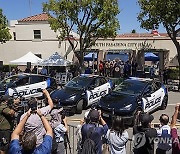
x=29 y=57
x=55 y=60
x=149 y=56
x=89 y=56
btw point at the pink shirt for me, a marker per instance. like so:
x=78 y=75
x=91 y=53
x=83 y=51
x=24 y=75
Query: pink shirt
x=175 y=141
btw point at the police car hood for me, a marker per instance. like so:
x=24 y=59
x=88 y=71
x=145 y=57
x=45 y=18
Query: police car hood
x=117 y=101
x=65 y=93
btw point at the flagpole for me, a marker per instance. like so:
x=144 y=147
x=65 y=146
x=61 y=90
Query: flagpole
x=30 y=9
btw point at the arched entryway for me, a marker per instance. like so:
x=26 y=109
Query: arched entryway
x=163 y=55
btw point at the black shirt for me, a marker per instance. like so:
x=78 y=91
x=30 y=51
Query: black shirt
x=145 y=144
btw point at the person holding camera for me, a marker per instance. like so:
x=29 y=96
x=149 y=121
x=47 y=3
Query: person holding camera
x=6 y=123
x=144 y=135
x=60 y=127
x=34 y=122
x=93 y=131
x=174 y=134
x=28 y=140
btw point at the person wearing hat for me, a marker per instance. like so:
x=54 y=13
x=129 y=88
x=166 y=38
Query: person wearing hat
x=144 y=134
x=6 y=123
x=97 y=131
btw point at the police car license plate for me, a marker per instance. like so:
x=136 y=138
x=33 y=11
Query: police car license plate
x=106 y=115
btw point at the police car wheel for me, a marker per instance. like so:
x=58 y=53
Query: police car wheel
x=164 y=103
x=79 y=107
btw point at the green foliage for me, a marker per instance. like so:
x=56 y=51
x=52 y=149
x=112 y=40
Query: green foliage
x=91 y=19
x=155 y=12
x=133 y=31
x=173 y=73
x=4 y=31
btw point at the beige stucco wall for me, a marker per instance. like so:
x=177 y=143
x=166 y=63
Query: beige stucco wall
x=137 y=44
x=48 y=44
x=25 y=42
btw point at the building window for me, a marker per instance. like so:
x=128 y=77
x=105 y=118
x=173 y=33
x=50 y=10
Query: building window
x=14 y=35
x=37 y=34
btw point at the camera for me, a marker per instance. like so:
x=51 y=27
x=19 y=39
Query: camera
x=32 y=103
x=63 y=114
x=4 y=141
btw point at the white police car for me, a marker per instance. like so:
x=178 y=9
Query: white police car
x=134 y=95
x=26 y=85
x=81 y=92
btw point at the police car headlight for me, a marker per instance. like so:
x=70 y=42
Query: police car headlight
x=72 y=98
x=127 y=107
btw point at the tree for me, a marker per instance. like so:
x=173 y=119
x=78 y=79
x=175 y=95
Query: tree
x=133 y=31
x=4 y=30
x=91 y=19
x=165 y=12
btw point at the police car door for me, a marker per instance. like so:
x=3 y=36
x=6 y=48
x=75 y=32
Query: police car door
x=95 y=94
x=27 y=87
x=158 y=93
x=148 y=98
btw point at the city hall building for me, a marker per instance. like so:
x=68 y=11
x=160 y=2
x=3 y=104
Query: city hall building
x=34 y=34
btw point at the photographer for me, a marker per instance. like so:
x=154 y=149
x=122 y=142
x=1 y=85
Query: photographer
x=28 y=140
x=143 y=134
x=175 y=137
x=93 y=131
x=34 y=122
x=59 y=125
x=6 y=123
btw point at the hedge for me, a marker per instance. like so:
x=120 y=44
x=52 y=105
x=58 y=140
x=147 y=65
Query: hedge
x=173 y=73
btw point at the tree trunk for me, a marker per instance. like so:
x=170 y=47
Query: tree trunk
x=178 y=52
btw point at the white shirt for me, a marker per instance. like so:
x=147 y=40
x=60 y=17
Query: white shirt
x=165 y=135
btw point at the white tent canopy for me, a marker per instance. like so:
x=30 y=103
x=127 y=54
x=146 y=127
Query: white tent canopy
x=55 y=60
x=29 y=57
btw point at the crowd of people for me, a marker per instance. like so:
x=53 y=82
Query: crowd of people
x=114 y=68
x=43 y=130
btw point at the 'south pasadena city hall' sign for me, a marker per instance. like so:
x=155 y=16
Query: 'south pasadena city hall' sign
x=143 y=44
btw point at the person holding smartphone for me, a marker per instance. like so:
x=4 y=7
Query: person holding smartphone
x=174 y=134
x=34 y=122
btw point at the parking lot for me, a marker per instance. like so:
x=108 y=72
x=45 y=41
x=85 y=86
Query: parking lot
x=174 y=97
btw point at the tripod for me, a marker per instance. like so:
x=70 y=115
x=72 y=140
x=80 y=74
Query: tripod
x=67 y=143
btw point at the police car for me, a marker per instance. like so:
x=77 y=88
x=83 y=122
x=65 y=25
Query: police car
x=27 y=85
x=81 y=92
x=134 y=95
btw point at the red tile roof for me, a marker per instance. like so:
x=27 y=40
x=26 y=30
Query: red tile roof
x=127 y=35
x=39 y=17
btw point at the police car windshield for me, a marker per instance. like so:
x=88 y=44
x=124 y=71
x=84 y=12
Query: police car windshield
x=9 y=81
x=79 y=82
x=130 y=87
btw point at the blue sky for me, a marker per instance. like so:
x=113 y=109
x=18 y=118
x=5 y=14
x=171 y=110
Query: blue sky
x=18 y=9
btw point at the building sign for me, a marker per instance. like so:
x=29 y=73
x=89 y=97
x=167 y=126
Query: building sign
x=125 y=45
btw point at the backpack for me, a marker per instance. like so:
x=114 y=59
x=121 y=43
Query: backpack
x=89 y=147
